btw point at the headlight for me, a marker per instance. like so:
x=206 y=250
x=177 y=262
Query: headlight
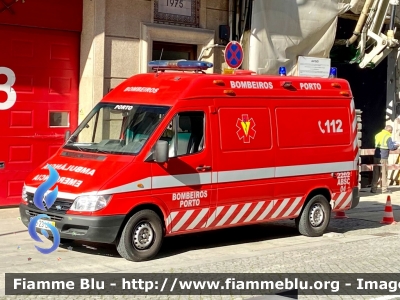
x=90 y=203
x=24 y=194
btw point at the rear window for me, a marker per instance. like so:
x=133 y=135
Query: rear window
x=311 y=126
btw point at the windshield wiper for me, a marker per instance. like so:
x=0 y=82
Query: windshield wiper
x=80 y=148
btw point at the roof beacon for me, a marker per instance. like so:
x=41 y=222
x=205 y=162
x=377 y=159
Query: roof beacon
x=180 y=65
x=282 y=71
x=333 y=73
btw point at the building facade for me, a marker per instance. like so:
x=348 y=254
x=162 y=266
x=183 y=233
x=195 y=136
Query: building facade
x=120 y=37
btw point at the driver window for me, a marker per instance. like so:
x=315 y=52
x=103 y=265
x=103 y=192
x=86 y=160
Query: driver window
x=185 y=134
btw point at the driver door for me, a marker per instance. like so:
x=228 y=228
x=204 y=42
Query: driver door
x=184 y=182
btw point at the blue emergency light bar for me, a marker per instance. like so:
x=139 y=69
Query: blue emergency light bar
x=180 y=65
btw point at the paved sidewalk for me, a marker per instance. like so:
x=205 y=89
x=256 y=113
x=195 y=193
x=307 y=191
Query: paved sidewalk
x=359 y=244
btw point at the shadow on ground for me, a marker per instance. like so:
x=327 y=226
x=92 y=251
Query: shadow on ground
x=203 y=240
x=244 y=234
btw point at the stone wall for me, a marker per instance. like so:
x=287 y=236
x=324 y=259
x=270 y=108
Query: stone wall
x=117 y=41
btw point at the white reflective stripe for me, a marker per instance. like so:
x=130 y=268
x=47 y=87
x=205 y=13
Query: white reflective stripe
x=180 y=180
x=223 y=176
x=313 y=169
x=249 y=174
x=339 y=199
x=267 y=210
x=198 y=218
x=214 y=215
x=298 y=212
x=347 y=202
x=241 y=213
x=254 y=212
x=170 y=218
x=227 y=215
x=281 y=207
x=214 y=177
x=387 y=214
x=182 y=220
x=133 y=186
x=292 y=207
x=352 y=106
x=354 y=123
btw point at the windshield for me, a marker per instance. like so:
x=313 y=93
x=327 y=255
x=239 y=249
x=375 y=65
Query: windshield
x=116 y=128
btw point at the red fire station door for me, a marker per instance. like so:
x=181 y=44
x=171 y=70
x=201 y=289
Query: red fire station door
x=38 y=100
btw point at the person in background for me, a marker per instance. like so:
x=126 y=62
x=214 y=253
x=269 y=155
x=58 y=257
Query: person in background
x=383 y=145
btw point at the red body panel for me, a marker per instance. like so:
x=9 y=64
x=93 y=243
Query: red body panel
x=266 y=149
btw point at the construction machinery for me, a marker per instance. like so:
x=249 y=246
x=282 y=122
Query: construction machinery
x=371 y=43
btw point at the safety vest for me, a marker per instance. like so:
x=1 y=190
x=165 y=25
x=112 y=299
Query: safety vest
x=381 y=139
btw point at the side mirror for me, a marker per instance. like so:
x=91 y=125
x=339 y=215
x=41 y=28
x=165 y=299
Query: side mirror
x=67 y=135
x=161 y=152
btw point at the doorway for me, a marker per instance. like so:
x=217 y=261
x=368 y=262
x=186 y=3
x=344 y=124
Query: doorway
x=173 y=51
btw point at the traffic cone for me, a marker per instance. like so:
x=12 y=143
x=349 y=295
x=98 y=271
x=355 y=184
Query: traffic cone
x=388 y=214
x=340 y=215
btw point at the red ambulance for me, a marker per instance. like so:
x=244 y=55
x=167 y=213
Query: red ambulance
x=175 y=152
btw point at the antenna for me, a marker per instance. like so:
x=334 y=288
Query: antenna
x=162 y=50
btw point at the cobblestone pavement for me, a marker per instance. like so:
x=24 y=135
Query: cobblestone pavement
x=359 y=244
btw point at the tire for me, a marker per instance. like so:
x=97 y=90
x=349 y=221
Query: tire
x=315 y=217
x=145 y=222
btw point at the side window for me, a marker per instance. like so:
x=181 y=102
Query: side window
x=59 y=119
x=185 y=134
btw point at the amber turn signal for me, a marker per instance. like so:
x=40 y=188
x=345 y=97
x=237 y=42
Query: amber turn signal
x=229 y=92
x=219 y=82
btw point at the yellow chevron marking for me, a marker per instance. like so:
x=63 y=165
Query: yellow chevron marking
x=246 y=127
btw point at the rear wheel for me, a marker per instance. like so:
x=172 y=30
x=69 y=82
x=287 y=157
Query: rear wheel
x=315 y=217
x=142 y=236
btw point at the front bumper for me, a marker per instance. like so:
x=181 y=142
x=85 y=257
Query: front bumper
x=356 y=198
x=102 y=229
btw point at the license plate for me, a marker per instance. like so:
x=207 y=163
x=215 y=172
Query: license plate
x=42 y=224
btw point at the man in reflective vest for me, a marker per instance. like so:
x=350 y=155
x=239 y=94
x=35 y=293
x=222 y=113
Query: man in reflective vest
x=383 y=145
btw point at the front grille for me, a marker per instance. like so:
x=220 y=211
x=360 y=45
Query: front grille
x=60 y=206
x=32 y=214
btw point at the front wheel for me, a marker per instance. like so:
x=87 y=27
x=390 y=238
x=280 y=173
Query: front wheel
x=315 y=217
x=142 y=236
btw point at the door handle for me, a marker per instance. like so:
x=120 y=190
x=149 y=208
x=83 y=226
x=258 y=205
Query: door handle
x=2 y=165
x=203 y=168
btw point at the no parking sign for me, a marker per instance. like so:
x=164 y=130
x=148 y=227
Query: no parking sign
x=234 y=54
